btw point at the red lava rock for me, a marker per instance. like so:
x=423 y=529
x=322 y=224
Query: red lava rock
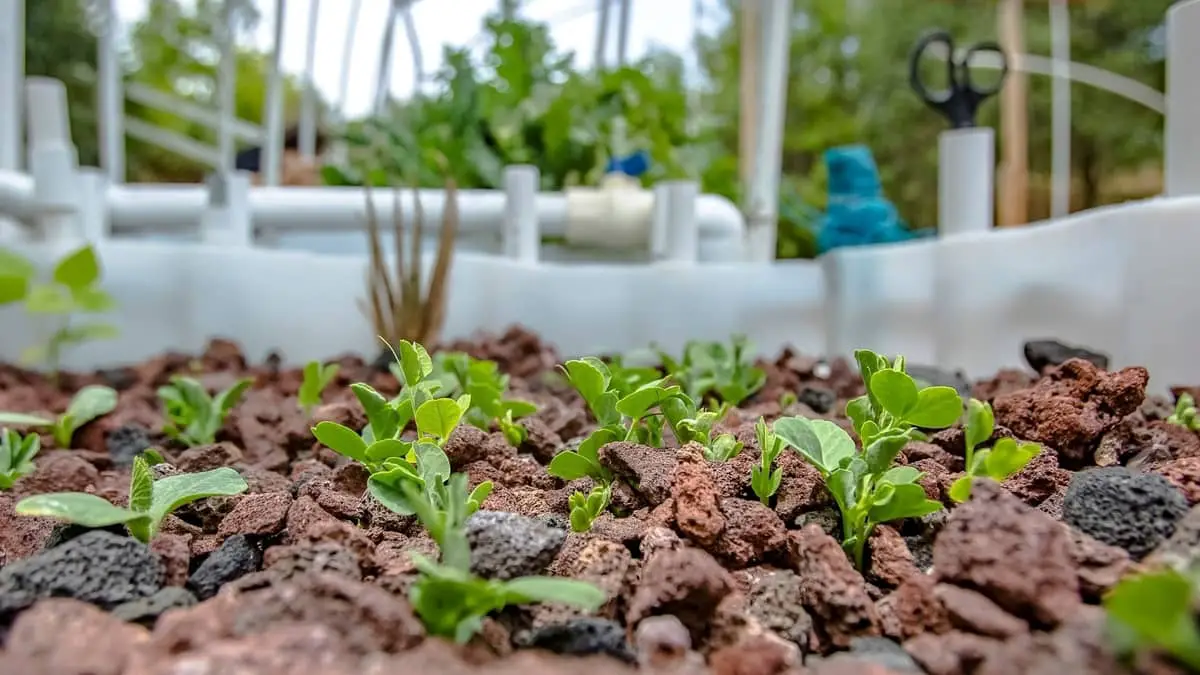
x=1099 y=565
x=921 y=451
x=1039 y=479
x=953 y=653
x=732 y=477
x=663 y=643
x=830 y=588
x=302 y=514
x=1006 y=381
x=1015 y=555
x=647 y=469
x=540 y=440
x=801 y=490
x=469 y=444
x=697 y=506
x=61 y=635
x=58 y=472
x=1080 y=646
x=1073 y=406
x=350 y=478
x=345 y=413
x=756 y=655
x=260 y=515
x=174 y=550
x=610 y=567
x=20 y=536
x=687 y=582
x=1185 y=475
x=974 y=613
x=295 y=649
x=891 y=561
x=207 y=457
x=339 y=504
x=934 y=478
x=753 y=533
x=912 y=609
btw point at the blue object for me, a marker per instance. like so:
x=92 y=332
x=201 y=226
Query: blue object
x=634 y=165
x=962 y=99
x=858 y=214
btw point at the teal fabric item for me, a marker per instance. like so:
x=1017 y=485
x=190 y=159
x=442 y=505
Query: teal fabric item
x=858 y=214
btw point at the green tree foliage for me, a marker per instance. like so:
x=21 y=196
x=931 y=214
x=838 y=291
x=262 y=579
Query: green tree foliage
x=59 y=43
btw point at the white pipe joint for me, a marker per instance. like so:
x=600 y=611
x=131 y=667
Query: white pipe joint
x=965 y=180
x=617 y=215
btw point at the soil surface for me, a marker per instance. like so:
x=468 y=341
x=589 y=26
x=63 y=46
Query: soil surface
x=306 y=574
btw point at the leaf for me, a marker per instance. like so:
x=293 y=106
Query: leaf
x=1008 y=457
x=388 y=448
x=554 y=589
x=895 y=391
x=587 y=378
x=479 y=495
x=572 y=466
x=89 y=403
x=141 y=486
x=868 y=364
x=643 y=399
x=415 y=363
x=519 y=409
x=85 y=332
x=78 y=269
x=979 y=423
x=17 y=265
x=438 y=417
x=843 y=485
x=1157 y=607
x=48 y=299
x=937 y=408
x=898 y=475
x=175 y=491
x=590 y=447
x=432 y=463
x=960 y=490
x=859 y=411
x=23 y=420
x=93 y=300
x=13 y=288
x=908 y=501
x=228 y=399
x=381 y=416
x=882 y=451
x=827 y=443
x=390 y=496
x=342 y=440
x=79 y=508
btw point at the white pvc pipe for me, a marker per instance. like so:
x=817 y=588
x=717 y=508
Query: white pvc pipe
x=1060 y=135
x=111 y=93
x=226 y=86
x=16 y=195
x=522 y=240
x=308 y=105
x=768 y=148
x=12 y=83
x=682 y=241
x=966 y=161
x=1182 y=142
x=271 y=157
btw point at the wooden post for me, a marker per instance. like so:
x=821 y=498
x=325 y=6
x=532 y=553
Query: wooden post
x=1012 y=192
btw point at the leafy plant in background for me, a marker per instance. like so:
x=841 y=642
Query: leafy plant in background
x=87 y=404
x=150 y=501
x=73 y=289
x=194 y=417
x=1004 y=459
x=626 y=378
x=487 y=386
x=693 y=425
x=895 y=405
x=1156 y=610
x=16 y=456
x=316 y=378
x=765 y=477
x=1185 y=412
x=715 y=368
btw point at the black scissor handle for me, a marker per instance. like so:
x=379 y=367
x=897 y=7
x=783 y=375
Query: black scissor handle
x=934 y=97
x=965 y=66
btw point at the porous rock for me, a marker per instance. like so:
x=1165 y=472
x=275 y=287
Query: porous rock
x=687 y=583
x=582 y=636
x=832 y=591
x=1120 y=507
x=1042 y=354
x=236 y=558
x=508 y=545
x=146 y=611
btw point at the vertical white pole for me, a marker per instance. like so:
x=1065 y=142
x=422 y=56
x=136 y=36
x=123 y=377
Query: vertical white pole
x=272 y=142
x=768 y=147
x=111 y=91
x=1182 y=140
x=308 y=107
x=522 y=239
x=12 y=83
x=966 y=176
x=1060 y=143
x=226 y=86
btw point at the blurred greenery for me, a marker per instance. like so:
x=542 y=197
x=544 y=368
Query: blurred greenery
x=521 y=99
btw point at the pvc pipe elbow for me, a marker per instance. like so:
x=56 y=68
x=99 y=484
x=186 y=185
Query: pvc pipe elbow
x=619 y=214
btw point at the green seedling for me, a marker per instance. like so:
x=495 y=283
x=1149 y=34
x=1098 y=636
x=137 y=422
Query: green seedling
x=895 y=405
x=16 y=456
x=87 y=404
x=482 y=380
x=691 y=425
x=619 y=418
x=316 y=378
x=1155 y=610
x=1004 y=459
x=73 y=289
x=868 y=490
x=787 y=399
x=1185 y=413
x=626 y=379
x=194 y=417
x=765 y=477
x=713 y=367
x=150 y=501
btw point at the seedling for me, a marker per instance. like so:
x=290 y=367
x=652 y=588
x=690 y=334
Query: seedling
x=619 y=418
x=765 y=477
x=316 y=378
x=150 y=501
x=712 y=367
x=194 y=417
x=73 y=289
x=88 y=403
x=460 y=374
x=1156 y=610
x=1004 y=459
x=626 y=379
x=16 y=456
x=1185 y=413
x=691 y=425
x=895 y=405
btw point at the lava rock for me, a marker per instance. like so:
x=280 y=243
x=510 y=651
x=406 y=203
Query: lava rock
x=1120 y=507
x=97 y=567
x=117 y=378
x=508 y=545
x=820 y=399
x=775 y=603
x=938 y=377
x=126 y=442
x=884 y=652
x=64 y=532
x=236 y=558
x=1042 y=354
x=581 y=637
x=145 y=611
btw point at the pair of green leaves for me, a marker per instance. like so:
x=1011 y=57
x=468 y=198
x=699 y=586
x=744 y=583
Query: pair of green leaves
x=1004 y=459
x=459 y=373
x=713 y=367
x=87 y=404
x=868 y=490
x=150 y=501
x=691 y=425
x=765 y=477
x=16 y=456
x=194 y=417
x=1156 y=609
x=894 y=400
x=1185 y=413
x=316 y=378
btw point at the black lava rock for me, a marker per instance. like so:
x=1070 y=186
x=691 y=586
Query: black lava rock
x=236 y=558
x=509 y=545
x=64 y=532
x=1042 y=354
x=146 y=611
x=99 y=567
x=126 y=442
x=117 y=378
x=820 y=399
x=1121 y=507
x=582 y=637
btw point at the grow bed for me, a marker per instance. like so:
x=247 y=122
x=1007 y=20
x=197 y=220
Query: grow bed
x=302 y=568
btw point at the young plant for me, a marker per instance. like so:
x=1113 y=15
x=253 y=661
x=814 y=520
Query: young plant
x=1005 y=458
x=150 y=501
x=689 y=424
x=460 y=374
x=765 y=477
x=1155 y=610
x=713 y=367
x=73 y=289
x=895 y=405
x=16 y=456
x=316 y=378
x=619 y=418
x=87 y=404
x=626 y=379
x=194 y=417
x=1185 y=413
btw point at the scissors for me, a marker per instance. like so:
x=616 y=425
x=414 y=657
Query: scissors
x=960 y=102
